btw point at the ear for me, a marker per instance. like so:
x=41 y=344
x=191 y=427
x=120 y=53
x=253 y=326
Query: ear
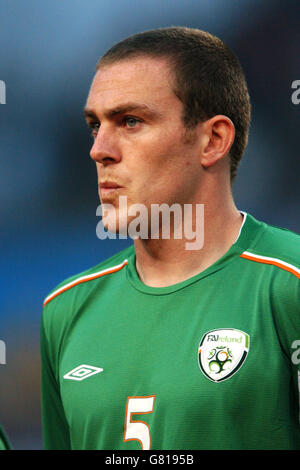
x=218 y=136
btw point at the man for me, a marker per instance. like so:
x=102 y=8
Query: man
x=160 y=346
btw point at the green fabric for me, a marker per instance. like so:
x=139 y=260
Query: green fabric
x=4 y=443
x=203 y=364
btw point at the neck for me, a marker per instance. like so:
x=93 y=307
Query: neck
x=163 y=262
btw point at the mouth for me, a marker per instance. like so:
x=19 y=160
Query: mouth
x=108 y=187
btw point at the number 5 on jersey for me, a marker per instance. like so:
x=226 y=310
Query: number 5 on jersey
x=138 y=430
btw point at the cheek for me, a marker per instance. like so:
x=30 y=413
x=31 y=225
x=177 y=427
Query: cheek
x=164 y=166
x=98 y=168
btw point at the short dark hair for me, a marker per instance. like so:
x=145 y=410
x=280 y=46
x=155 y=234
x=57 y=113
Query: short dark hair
x=209 y=79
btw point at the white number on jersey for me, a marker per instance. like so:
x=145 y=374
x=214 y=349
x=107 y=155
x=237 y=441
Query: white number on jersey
x=138 y=430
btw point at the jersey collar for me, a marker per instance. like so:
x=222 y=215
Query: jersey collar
x=250 y=230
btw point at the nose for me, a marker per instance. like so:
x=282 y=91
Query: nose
x=105 y=148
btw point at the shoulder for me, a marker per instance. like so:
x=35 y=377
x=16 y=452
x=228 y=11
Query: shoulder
x=273 y=263
x=278 y=247
x=275 y=258
x=80 y=285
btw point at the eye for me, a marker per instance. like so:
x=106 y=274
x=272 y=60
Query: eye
x=131 y=121
x=94 y=127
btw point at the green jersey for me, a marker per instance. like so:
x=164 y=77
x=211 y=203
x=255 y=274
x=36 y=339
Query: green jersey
x=4 y=444
x=209 y=363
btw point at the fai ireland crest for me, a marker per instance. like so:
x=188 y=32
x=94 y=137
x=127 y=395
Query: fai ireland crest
x=222 y=352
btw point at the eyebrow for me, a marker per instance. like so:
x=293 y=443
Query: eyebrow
x=125 y=108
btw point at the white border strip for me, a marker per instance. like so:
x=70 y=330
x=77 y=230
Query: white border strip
x=276 y=260
x=243 y=223
x=85 y=278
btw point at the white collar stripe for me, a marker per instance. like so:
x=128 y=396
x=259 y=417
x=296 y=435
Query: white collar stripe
x=86 y=278
x=274 y=261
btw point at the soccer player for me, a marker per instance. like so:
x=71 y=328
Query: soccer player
x=164 y=346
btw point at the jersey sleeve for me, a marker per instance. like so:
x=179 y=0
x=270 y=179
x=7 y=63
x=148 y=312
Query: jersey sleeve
x=56 y=434
x=288 y=306
x=296 y=345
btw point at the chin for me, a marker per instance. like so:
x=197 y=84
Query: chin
x=115 y=223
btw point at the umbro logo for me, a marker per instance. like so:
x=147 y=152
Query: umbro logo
x=82 y=372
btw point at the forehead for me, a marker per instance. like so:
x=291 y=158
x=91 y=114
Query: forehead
x=136 y=79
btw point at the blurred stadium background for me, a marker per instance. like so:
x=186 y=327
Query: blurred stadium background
x=48 y=192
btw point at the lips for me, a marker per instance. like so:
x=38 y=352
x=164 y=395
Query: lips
x=108 y=187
